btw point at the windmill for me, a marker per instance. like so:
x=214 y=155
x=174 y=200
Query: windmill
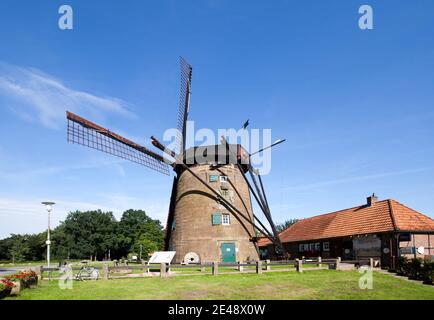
x=210 y=212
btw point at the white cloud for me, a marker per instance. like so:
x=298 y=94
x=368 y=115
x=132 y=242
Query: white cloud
x=32 y=94
x=322 y=184
x=55 y=170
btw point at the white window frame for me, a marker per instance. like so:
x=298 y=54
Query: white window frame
x=224 y=178
x=224 y=217
x=326 y=246
x=301 y=247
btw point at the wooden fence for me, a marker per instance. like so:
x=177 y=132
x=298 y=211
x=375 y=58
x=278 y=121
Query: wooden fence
x=216 y=268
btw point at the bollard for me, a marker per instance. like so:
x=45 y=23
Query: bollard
x=259 y=267
x=267 y=265
x=319 y=262
x=215 y=268
x=106 y=271
x=163 y=270
x=299 y=265
x=240 y=267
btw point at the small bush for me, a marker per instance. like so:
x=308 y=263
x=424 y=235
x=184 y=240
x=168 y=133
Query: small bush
x=427 y=274
x=5 y=288
x=401 y=266
x=416 y=269
x=28 y=277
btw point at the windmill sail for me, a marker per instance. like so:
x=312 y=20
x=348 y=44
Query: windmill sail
x=184 y=103
x=89 y=134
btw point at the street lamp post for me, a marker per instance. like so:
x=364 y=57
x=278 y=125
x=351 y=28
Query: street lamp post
x=49 y=208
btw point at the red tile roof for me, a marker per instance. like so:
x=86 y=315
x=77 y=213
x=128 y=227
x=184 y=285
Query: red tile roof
x=381 y=216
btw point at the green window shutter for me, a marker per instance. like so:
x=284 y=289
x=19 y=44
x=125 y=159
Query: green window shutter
x=214 y=178
x=216 y=219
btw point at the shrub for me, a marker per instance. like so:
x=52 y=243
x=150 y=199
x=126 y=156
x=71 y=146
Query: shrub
x=5 y=288
x=427 y=274
x=27 y=277
x=401 y=266
x=415 y=269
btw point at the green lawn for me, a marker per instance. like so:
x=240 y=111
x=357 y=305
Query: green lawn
x=320 y=284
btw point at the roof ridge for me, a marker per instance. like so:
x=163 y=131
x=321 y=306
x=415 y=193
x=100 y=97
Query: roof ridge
x=392 y=214
x=407 y=207
x=327 y=213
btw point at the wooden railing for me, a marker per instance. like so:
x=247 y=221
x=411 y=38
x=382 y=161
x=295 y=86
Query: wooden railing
x=258 y=267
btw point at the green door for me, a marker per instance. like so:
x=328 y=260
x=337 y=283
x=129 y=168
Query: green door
x=228 y=252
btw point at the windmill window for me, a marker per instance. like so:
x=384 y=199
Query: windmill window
x=173 y=224
x=213 y=177
x=216 y=219
x=226 y=219
x=224 y=179
x=225 y=193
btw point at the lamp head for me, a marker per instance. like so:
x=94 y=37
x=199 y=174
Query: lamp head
x=48 y=205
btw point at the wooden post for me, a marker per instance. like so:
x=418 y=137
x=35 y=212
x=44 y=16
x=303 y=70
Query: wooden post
x=163 y=270
x=40 y=272
x=299 y=265
x=259 y=267
x=202 y=267
x=215 y=268
x=338 y=262
x=371 y=263
x=240 y=267
x=267 y=265
x=319 y=262
x=106 y=271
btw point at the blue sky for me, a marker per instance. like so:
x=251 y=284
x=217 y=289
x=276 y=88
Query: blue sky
x=356 y=106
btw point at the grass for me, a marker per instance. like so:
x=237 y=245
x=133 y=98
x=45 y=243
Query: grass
x=314 y=284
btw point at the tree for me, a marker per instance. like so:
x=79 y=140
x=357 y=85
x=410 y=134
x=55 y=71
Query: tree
x=136 y=226
x=19 y=248
x=89 y=234
x=143 y=247
x=285 y=225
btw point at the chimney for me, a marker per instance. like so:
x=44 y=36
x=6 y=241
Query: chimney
x=371 y=200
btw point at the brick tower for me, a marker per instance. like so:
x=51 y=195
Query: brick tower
x=201 y=224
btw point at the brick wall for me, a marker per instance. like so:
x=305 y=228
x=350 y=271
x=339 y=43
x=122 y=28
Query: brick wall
x=194 y=206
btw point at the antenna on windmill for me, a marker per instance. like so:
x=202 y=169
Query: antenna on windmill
x=246 y=124
x=275 y=143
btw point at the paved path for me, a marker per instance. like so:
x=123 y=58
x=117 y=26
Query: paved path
x=4 y=271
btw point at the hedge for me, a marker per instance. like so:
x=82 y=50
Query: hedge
x=416 y=269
